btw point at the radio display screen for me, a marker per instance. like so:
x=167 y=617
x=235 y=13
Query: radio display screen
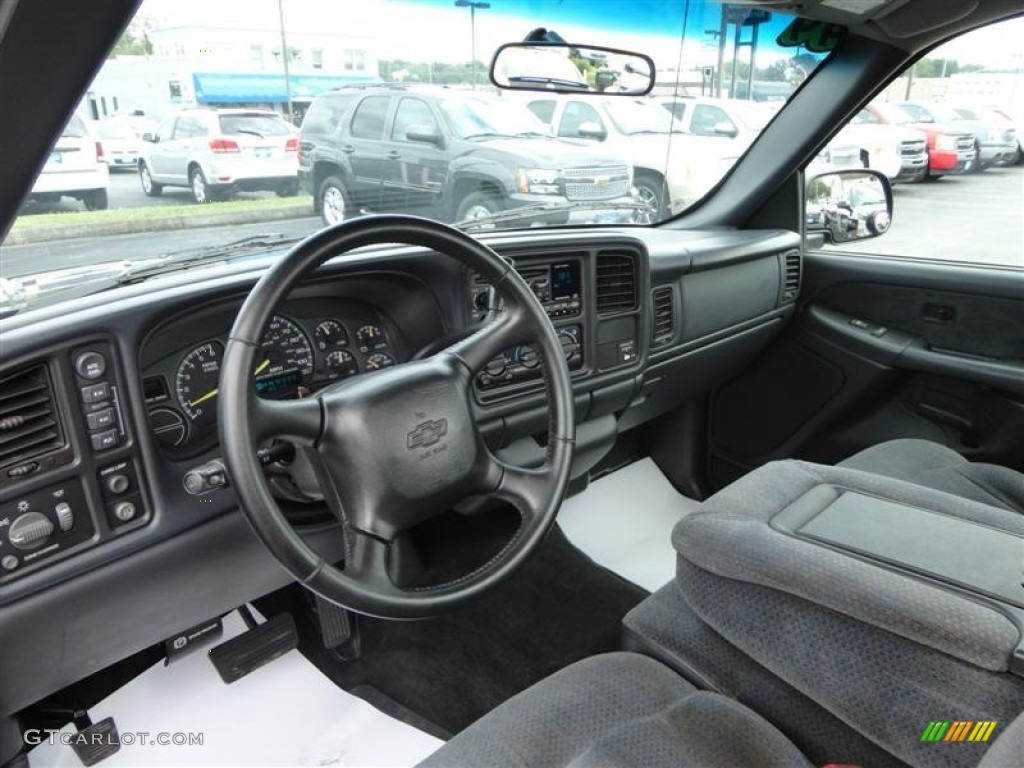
x=565 y=281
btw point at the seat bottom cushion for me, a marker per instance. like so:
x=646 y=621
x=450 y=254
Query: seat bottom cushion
x=619 y=709
x=935 y=466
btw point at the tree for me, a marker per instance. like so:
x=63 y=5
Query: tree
x=134 y=42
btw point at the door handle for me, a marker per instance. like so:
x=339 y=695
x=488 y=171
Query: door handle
x=348 y=149
x=394 y=155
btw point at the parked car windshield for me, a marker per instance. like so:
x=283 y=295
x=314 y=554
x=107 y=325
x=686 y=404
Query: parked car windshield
x=632 y=117
x=213 y=123
x=482 y=117
x=261 y=125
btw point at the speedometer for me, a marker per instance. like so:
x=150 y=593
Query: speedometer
x=284 y=358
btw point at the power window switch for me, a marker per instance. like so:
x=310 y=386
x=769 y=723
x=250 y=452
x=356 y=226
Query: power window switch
x=858 y=323
x=879 y=332
x=65 y=516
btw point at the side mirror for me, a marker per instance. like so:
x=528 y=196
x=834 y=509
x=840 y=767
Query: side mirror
x=150 y=137
x=844 y=206
x=725 y=129
x=425 y=134
x=591 y=130
x=563 y=68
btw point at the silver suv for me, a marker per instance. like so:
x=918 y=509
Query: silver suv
x=215 y=152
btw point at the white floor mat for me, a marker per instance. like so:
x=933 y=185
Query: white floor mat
x=624 y=522
x=284 y=714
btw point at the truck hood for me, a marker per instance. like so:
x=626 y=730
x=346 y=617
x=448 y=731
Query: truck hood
x=540 y=152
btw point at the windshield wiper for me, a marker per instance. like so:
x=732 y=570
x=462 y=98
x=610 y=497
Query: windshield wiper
x=540 y=209
x=177 y=261
x=250 y=132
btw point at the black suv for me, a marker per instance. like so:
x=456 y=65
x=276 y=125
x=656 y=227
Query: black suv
x=464 y=153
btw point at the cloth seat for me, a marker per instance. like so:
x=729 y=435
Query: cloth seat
x=935 y=466
x=618 y=709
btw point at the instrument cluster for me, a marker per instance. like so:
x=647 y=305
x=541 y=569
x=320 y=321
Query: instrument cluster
x=297 y=356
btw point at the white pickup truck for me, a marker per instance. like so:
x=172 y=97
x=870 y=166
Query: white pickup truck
x=672 y=169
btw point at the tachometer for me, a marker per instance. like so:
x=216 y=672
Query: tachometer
x=284 y=358
x=196 y=382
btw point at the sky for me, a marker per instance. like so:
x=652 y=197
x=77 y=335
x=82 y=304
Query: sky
x=409 y=30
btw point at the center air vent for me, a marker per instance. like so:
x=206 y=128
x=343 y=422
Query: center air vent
x=29 y=425
x=664 y=316
x=790 y=276
x=616 y=283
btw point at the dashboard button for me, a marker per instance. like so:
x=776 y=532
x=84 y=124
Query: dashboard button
x=30 y=530
x=124 y=511
x=91 y=365
x=94 y=393
x=100 y=419
x=117 y=483
x=102 y=441
x=8 y=562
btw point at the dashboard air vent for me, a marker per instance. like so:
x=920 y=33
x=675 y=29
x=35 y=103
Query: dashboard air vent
x=791 y=276
x=663 y=313
x=616 y=283
x=29 y=425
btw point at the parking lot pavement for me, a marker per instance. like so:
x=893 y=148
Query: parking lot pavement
x=126 y=192
x=975 y=218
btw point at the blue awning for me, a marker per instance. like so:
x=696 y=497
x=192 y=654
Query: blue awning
x=231 y=88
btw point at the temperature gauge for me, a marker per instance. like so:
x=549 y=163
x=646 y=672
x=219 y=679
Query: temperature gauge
x=330 y=334
x=370 y=338
x=341 y=364
x=379 y=360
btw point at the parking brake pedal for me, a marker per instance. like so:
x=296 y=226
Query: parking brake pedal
x=260 y=645
x=93 y=742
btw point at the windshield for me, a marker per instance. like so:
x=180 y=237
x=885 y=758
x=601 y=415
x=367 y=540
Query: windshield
x=632 y=116
x=480 y=117
x=233 y=121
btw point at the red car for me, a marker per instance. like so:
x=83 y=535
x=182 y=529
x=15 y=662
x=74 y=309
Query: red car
x=951 y=150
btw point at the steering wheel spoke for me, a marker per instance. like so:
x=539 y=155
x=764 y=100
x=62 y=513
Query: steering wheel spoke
x=508 y=329
x=528 y=490
x=300 y=421
x=367 y=560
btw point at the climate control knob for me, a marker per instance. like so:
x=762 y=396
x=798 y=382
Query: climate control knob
x=30 y=530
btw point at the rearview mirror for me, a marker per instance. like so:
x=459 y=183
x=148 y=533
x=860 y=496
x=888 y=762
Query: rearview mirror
x=571 y=69
x=150 y=137
x=848 y=205
x=425 y=134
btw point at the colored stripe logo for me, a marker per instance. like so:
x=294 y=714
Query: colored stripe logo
x=959 y=730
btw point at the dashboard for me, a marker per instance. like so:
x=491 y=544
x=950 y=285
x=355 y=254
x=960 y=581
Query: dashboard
x=109 y=402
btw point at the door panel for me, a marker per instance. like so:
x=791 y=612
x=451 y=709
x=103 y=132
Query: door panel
x=882 y=349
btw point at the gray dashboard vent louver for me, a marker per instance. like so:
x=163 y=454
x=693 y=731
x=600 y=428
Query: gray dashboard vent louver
x=664 y=316
x=616 y=283
x=791 y=275
x=29 y=425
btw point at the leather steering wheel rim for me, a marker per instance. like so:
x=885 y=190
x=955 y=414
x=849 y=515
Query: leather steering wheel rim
x=406 y=432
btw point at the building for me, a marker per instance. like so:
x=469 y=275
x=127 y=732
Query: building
x=220 y=66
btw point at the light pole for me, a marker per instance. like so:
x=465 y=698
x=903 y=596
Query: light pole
x=284 y=58
x=473 y=6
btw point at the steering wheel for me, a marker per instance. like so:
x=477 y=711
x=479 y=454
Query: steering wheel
x=399 y=446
